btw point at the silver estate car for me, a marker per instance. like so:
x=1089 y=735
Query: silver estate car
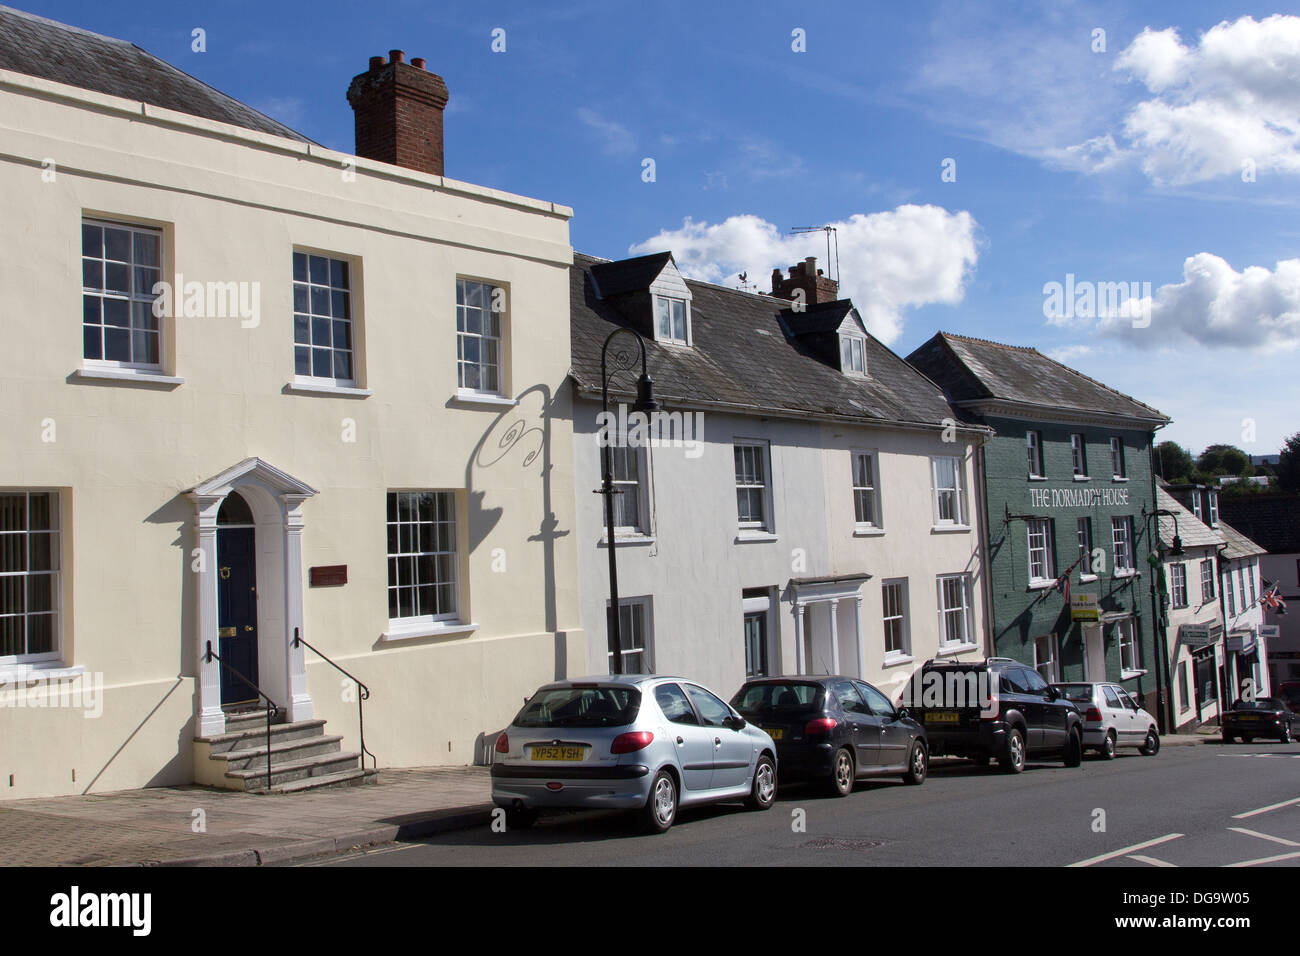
x=636 y=742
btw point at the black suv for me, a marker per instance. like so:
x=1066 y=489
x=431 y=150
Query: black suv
x=997 y=708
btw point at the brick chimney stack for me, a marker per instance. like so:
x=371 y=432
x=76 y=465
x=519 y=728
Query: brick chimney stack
x=398 y=110
x=805 y=275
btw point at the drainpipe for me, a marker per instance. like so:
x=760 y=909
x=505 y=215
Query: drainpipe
x=986 y=585
x=1159 y=626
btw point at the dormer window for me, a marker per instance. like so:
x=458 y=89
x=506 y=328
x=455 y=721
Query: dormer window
x=853 y=355
x=672 y=320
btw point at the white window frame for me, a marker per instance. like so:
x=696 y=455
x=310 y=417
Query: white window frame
x=1079 y=455
x=445 y=505
x=1126 y=637
x=1041 y=551
x=1122 y=544
x=962 y=612
x=55 y=572
x=1207 y=580
x=1178 y=585
x=670 y=301
x=310 y=378
x=1118 y=470
x=1083 y=539
x=1250 y=576
x=1052 y=659
x=1214 y=507
x=1034 y=450
x=871 y=490
x=1196 y=504
x=639 y=609
x=895 y=610
x=853 y=354
x=1229 y=593
x=960 y=518
x=637 y=488
x=491 y=334
x=761 y=452
x=133 y=298
x=758 y=605
x=1184 y=685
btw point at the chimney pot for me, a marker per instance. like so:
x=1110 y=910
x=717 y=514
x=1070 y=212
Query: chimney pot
x=377 y=62
x=397 y=56
x=418 y=62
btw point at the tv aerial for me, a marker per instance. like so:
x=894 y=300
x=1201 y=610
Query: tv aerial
x=831 y=233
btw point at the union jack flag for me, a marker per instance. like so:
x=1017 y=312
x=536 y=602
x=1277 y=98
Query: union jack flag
x=1273 y=600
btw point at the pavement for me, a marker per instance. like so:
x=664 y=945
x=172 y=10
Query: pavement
x=202 y=826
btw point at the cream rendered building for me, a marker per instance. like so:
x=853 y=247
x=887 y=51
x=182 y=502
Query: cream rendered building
x=360 y=379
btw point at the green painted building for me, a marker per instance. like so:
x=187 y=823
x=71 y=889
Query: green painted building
x=1066 y=492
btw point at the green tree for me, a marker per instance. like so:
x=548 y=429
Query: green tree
x=1288 y=464
x=1224 y=460
x=1174 y=462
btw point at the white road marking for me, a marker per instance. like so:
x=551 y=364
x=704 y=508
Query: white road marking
x=1264 y=836
x=1150 y=860
x=1266 y=859
x=1128 y=850
x=1276 y=806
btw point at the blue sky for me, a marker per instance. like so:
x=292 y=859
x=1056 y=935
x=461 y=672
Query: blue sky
x=1169 y=160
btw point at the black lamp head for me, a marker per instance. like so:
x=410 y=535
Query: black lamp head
x=645 y=395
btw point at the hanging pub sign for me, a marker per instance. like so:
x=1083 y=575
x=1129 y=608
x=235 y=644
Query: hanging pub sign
x=1084 y=607
x=1200 y=635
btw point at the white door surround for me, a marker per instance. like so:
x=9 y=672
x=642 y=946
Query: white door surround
x=817 y=604
x=275 y=498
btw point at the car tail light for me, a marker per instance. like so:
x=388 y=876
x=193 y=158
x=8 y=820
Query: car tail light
x=1092 y=715
x=503 y=743
x=631 y=743
x=992 y=708
x=822 y=725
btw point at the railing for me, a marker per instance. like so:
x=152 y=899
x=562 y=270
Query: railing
x=271 y=708
x=363 y=695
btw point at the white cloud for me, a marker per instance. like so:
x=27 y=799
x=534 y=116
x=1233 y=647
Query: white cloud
x=1215 y=305
x=615 y=138
x=1230 y=98
x=1069 y=353
x=889 y=261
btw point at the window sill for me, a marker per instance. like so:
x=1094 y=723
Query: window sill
x=1129 y=675
x=410 y=631
x=1087 y=578
x=1041 y=584
x=129 y=377
x=1082 y=478
x=624 y=539
x=487 y=401
x=1120 y=478
x=750 y=537
x=1126 y=574
x=40 y=670
x=950 y=529
x=868 y=531
x=951 y=650
x=1037 y=477
x=893 y=660
x=333 y=391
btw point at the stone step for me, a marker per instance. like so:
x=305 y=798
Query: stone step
x=286 y=751
x=321 y=765
x=255 y=735
x=347 y=778
x=244 y=719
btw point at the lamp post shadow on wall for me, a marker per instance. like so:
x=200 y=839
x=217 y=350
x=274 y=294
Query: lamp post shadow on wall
x=624 y=360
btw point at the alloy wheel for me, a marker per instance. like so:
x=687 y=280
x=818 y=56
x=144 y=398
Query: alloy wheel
x=766 y=782
x=665 y=801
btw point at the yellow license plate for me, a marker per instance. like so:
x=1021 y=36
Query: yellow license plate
x=942 y=717
x=558 y=753
x=1243 y=717
x=774 y=732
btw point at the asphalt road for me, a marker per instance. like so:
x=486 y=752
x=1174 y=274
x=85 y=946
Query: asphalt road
x=1204 y=805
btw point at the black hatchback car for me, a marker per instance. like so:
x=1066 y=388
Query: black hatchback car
x=834 y=730
x=1261 y=717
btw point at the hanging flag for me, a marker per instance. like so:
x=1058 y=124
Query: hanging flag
x=1273 y=600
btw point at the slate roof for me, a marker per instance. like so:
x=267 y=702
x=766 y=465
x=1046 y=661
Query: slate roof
x=1194 y=533
x=66 y=54
x=1239 y=546
x=1271 y=521
x=971 y=369
x=629 y=275
x=742 y=357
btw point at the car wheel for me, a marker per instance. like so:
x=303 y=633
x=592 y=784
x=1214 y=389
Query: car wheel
x=843 y=772
x=1151 y=746
x=661 y=807
x=1107 y=750
x=1247 y=740
x=918 y=764
x=1073 y=756
x=520 y=818
x=763 y=794
x=1228 y=739
x=1286 y=734
x=1013 y=760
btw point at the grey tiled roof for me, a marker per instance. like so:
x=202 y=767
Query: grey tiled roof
x=971 y=369
x=1239 y=546
x=1271 y=521
x=741 y=357
x=1193 y=532
x=66 y=54
x=628 y=275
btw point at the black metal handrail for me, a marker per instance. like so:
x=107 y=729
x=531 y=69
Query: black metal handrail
x=363 y=694
x=271 y=708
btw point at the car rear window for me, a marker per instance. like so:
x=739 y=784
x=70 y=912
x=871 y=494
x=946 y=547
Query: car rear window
x=1260 y=703
x=792 y=697
x=1079 y=693
x=580 y=707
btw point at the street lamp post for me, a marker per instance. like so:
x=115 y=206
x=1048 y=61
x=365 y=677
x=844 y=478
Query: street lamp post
x=623 y=360
x=1160 y=620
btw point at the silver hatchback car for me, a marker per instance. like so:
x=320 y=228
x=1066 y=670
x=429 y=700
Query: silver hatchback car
x=636 y=742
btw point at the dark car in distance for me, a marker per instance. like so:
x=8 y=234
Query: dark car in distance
x=996 y=709
x=834 y=730
x=1261 y=717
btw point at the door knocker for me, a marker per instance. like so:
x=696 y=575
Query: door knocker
x=225 y=574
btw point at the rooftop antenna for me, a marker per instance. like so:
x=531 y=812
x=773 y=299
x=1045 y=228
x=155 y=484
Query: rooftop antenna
x=830 y=231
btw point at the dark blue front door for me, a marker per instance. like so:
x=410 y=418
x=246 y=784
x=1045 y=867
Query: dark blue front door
x=237 y=611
